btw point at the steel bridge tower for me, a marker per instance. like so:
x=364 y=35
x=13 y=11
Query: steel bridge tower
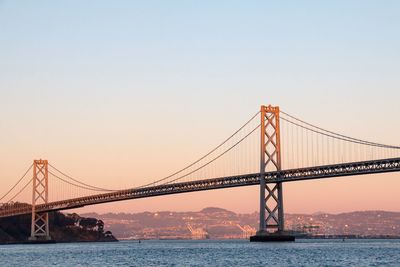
x=271 y=196
x=40 y=195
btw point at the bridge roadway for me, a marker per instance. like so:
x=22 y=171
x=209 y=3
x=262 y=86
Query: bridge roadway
x=319 y=172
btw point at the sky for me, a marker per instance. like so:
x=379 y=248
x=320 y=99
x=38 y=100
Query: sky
x=120 y=93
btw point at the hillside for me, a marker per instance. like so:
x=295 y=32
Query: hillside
x=63 y=228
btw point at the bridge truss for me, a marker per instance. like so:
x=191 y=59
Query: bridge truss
x=310 y=173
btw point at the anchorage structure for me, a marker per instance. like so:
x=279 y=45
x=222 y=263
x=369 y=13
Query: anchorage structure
x=271 y=201
x=40 y=195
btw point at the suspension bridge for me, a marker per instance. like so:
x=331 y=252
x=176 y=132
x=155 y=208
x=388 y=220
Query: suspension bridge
x=271 y=148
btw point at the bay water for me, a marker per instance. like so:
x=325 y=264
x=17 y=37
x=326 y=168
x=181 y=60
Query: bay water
x=206 y=253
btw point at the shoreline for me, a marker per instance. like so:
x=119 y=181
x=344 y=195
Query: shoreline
x=55 y=242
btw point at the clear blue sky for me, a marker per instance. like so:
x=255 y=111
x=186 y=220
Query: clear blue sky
x=95 y=81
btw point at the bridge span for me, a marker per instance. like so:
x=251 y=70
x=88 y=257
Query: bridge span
x=301 y=174
x=286 y=149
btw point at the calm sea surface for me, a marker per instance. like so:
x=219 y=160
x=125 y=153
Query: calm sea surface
x=206 y=253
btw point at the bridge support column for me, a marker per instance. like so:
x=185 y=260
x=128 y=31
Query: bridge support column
x=40 y=195
x=271 y=197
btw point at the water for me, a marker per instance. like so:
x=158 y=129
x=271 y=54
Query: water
x=206 y=253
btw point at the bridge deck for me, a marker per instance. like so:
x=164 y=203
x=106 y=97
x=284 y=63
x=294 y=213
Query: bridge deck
x=319 y=172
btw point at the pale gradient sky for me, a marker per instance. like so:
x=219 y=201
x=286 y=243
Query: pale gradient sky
x=123 y=92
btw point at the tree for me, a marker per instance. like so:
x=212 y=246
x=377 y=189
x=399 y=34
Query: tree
x=88 y=223
x=100 y=226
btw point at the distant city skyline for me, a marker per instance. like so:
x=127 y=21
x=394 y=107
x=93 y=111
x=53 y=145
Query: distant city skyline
x=216 y=223
x=120 y=94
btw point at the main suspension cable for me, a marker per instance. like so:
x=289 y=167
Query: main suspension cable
x=336 y=135
x=343 y=137
x=19 y=192
x=95 y=188
x=214 y=159
x=203 y=157
x=15 y=185
x=80 y=186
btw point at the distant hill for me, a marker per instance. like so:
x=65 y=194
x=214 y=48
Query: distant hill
x=214 y=210
x=220 y=223
x=63 y=228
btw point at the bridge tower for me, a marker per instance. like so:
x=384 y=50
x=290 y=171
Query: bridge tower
x=271 y=226
x=40 y=195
